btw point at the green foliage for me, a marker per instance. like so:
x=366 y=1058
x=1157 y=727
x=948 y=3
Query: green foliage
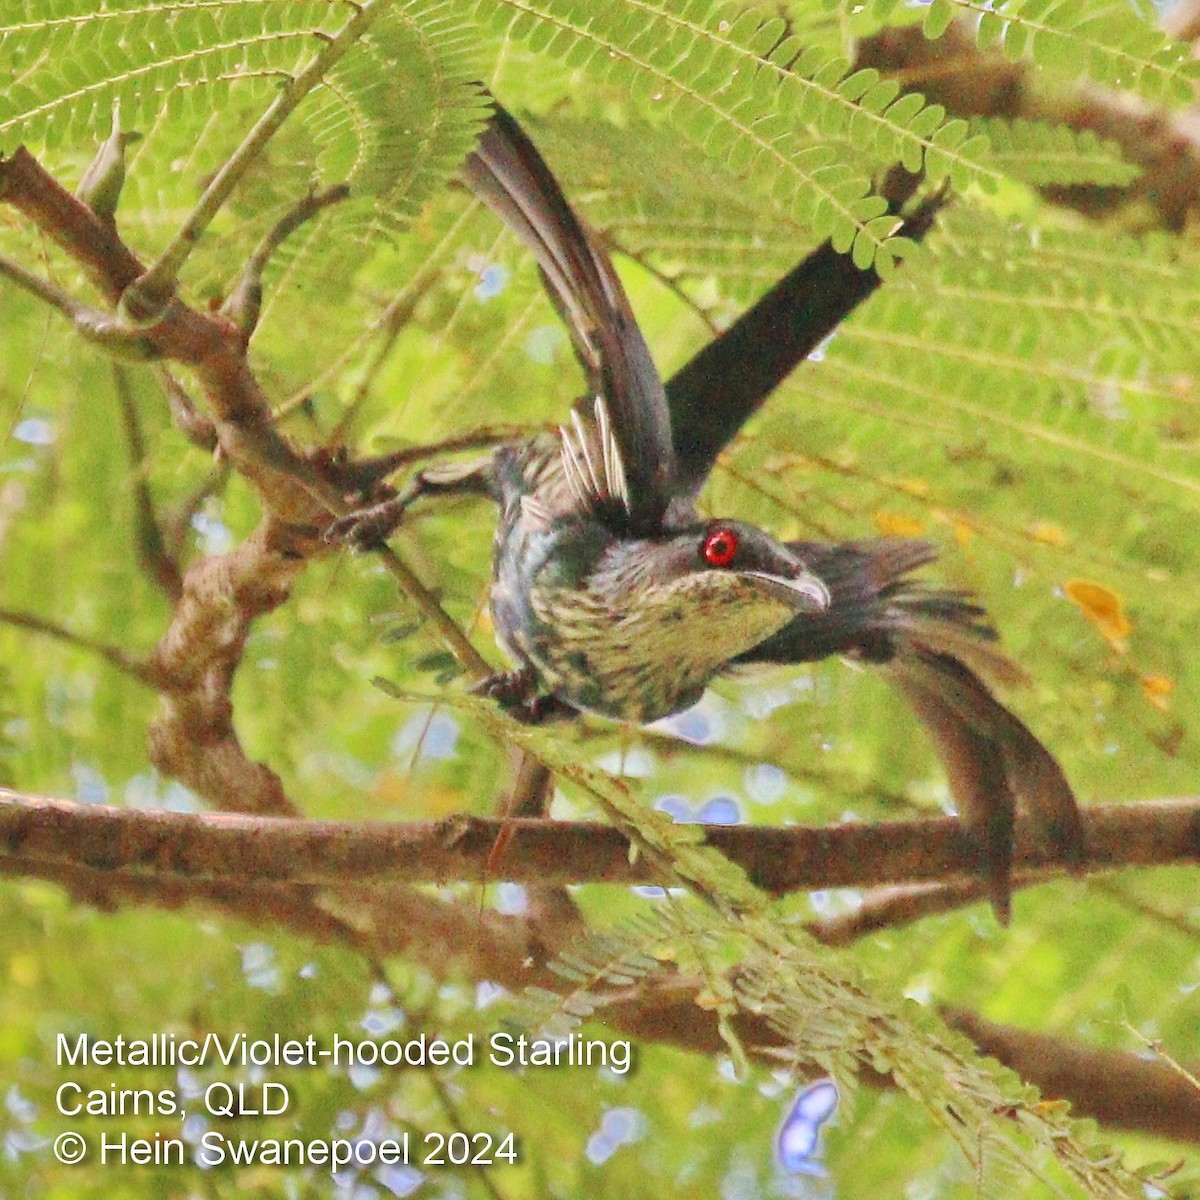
x=73 y=61
x=1022 y=392
x=1104 y=40
x=702 y=63
x=392 y=121
x=1041 y=154
x=834 y=1028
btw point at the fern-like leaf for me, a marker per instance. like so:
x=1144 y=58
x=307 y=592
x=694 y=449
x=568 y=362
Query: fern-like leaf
x=392 y=119
x=1106 y=40
x=702 y=61
x=1039 y=153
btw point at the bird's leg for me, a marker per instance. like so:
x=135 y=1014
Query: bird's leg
x=369 y=527
x=519 y=694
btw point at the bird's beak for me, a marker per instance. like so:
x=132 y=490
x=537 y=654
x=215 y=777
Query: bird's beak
x=802 y=591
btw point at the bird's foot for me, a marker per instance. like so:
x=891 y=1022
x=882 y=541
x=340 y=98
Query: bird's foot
x=518 y=693
x=541 y=709
x=508 y=687
x=368 y=528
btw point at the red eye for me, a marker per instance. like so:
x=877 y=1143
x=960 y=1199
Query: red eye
x=720 y=547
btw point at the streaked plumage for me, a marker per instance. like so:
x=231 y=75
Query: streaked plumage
x=578 y=600
x=612 y=597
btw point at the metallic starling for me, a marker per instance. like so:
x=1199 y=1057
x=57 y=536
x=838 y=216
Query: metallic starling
x=608 y=592
x=612 y=597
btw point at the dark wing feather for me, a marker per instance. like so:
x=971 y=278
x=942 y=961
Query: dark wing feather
x=936 y=649
x=715 y=394
x=509 y=175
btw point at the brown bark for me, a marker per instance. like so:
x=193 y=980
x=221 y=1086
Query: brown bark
x=973 y=83
x=1126 y=1091
x=36 y=832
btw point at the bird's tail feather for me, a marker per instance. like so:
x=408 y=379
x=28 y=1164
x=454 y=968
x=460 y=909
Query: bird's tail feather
x=991 y=759
x=938 y=650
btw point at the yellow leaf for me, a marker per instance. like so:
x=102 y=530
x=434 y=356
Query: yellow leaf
x=24 y=970
x=1157 y=689
x=395 y=790
x=1104 y=608
x=776 y=464
x=914 y=487
x=898 y=525
x=1051 y=1108
x=1048 y=533
x=963 y=532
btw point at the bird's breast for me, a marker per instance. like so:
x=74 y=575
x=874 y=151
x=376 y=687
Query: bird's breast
x=577 y=602
x=629 y=662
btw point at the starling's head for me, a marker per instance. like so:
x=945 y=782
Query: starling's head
x=722 y=586
x=638 y=630
x=754 y=560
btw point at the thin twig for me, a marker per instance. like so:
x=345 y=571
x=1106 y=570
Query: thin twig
x=244 y=303
x=186 y=417
x=448 y=630
x=1176 y=922
x=671 y=283
x=352 y=351
x=149 y=541
x=97 y=326
x=43 y=289
x=112 y=655
x=147 y=297
x=367 y=471
x=393 y=320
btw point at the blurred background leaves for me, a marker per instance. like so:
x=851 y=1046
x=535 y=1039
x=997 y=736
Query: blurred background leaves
x=1022 y=392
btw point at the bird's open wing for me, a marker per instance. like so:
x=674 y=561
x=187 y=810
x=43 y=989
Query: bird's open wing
x=711 y=397
x=509 y=175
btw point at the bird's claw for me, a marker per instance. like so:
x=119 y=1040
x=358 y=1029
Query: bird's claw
x=517 y=693
x=367 y=528
x=540 y=709
x=506 y=687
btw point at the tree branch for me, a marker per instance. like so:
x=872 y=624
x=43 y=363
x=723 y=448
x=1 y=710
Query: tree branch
x=244 y=303
x=892 y=907
x=221 y=597
x=1182 y=21
x=1116 y=1088
x=113 y=655
x=1124 y=1090
x=969 y=82
x=94 y=324
x=194 y=738
x=153 y=290
x=46 y=291
x=39 y=832
x=186 y=417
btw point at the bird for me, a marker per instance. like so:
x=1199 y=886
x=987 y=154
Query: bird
x=612 y=596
